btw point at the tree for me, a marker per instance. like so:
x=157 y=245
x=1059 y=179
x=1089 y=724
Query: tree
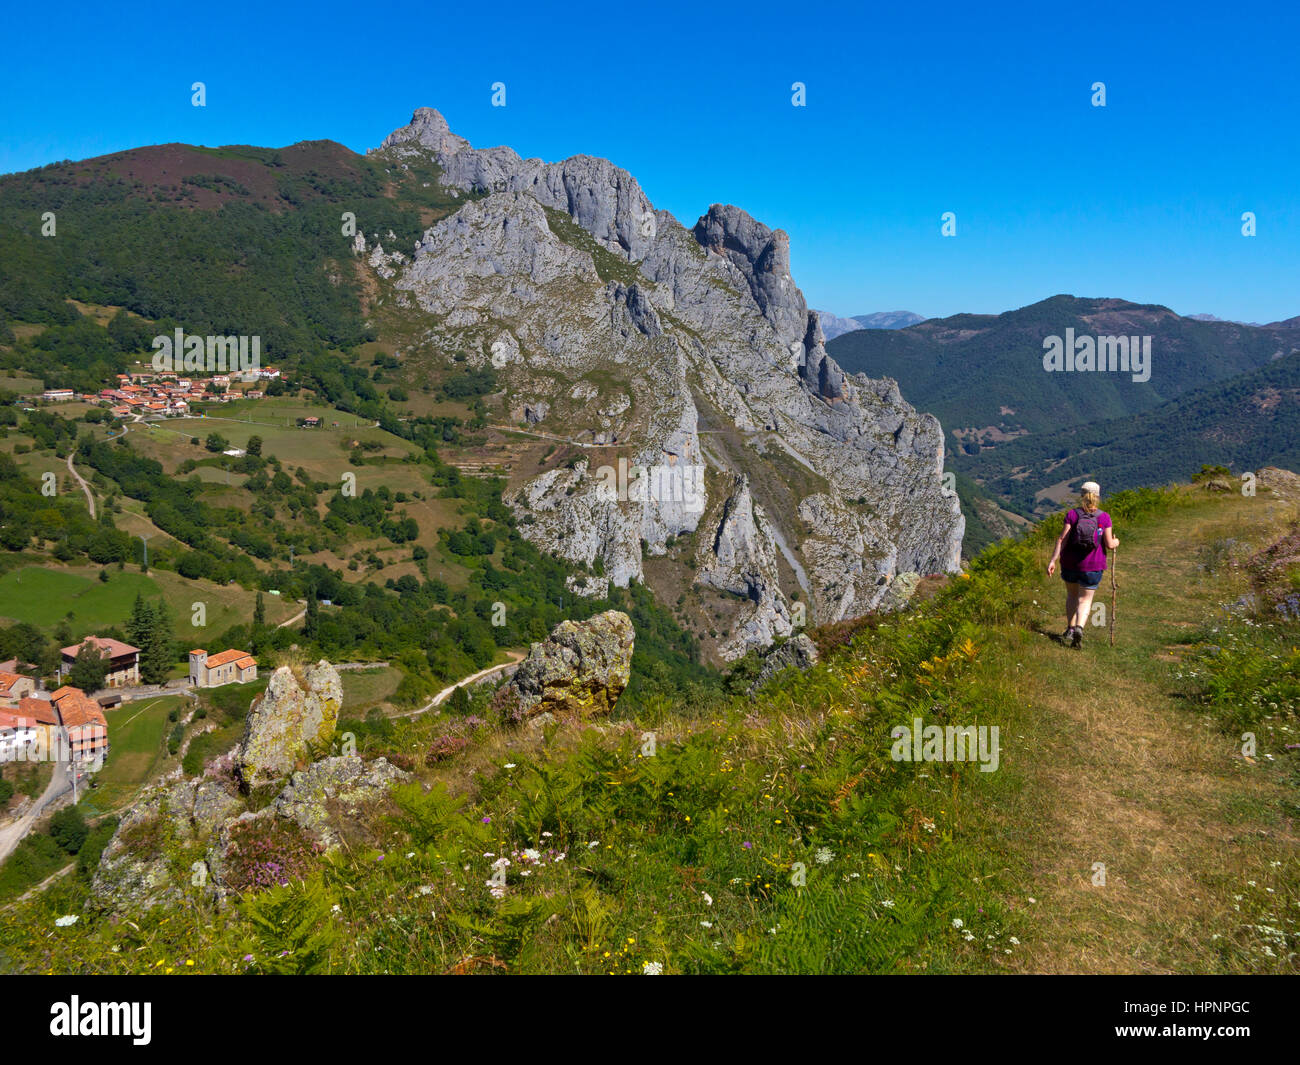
x=141 y=621
x=88 y=669
x=158 y=651
x=311 y=623
x=69 y=829
x=254 y=445
x=259 y=611
x=216 y=442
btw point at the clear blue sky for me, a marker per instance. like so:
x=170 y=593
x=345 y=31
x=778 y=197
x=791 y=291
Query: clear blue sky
x=979 y=109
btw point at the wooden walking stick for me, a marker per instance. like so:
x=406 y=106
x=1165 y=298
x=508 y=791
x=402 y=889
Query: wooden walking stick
x=1114 y=562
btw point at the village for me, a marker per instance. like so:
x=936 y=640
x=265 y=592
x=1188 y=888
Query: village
x=68 y=724
x=150 y=394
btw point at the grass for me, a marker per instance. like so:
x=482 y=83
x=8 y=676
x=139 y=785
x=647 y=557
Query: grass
x=135 y=731
x=776 y=833
x=44 y=595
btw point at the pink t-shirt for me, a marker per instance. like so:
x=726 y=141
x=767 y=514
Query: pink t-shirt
x=1072 y=557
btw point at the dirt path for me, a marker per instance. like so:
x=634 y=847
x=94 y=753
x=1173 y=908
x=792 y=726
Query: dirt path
x=515 y=658
x=90 y=498
x=1140 y=826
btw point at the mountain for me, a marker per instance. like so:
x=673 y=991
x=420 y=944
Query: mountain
x=1249 y=421
x=658 y=400
x=833 y=327
x=684 y=353
x=888 y=319
x=983 y=375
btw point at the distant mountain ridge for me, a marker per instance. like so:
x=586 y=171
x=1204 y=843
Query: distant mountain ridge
x=834 y=326
x=983 y=375
x=1220 y=392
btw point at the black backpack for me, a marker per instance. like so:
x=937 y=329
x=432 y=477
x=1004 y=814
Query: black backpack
x=1084 y=536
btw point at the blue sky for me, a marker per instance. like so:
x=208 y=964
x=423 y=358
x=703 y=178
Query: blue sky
x=982 y=110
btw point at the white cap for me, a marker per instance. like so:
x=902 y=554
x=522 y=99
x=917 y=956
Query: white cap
x=1091 y=486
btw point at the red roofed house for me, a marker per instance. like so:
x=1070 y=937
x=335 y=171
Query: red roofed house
x=123 y=664
x=228 y=667
x=19 y=728
x=16 y=733
x=84 y=722
x=13 y=686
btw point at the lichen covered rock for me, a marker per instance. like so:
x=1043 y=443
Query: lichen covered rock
x=288 y=722
x=579 y=670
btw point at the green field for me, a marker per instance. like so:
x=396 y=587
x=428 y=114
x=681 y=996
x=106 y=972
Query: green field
x=363 y=689
x=136 y=732
x=44 y=596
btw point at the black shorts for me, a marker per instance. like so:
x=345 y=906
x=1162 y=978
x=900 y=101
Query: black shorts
x=1089 y=578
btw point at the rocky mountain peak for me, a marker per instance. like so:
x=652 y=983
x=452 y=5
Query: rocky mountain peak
x=611 y=325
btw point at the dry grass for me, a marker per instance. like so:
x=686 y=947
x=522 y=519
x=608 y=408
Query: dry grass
x=1119 y=771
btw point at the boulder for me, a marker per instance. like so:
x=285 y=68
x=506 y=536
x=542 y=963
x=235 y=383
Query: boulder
x=798 y=652
x=287 y=722
x=333 y=792
x=579 y=670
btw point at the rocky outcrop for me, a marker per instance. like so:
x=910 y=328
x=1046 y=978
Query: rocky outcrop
x=621 y=328
x=145 y=863
x=799 y=652
x=580 y=670
x=288 y=723
x=197 y=838
x=739 y=557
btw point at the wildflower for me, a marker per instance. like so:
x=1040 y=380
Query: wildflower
x=425 y=889
x=411 y=854
x=335 y=908
x=189 y=961
x=1014 y=941
x=957 y=922
x=706 y=924
x=1032 y=899
x=487 y=820
x=510 y=765
x=532 y=855
x=66 y=920
x=593 y=844
x=824 y=855
x=248 y=957
x=747 y=845
x=887 y=903
x=708 y=899
x=652 y=968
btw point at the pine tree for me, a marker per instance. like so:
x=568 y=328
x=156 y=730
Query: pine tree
x=312 y=621
x=157 y=651
x=259 y=612
x=141 y=622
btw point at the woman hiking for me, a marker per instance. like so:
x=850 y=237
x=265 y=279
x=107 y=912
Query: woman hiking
x=1081 y=549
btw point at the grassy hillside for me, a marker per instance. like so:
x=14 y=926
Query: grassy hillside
x=984 y=373
x=1243 y=423
x=1123 y=830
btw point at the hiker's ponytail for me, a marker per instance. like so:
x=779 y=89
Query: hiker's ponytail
x=1089 y=499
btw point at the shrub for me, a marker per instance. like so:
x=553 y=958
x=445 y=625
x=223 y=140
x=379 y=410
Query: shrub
x=68 y=829
x=445 y=747
x=264 y=855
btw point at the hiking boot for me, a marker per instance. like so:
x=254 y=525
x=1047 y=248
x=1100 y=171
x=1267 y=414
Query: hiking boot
x=1076 y=637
